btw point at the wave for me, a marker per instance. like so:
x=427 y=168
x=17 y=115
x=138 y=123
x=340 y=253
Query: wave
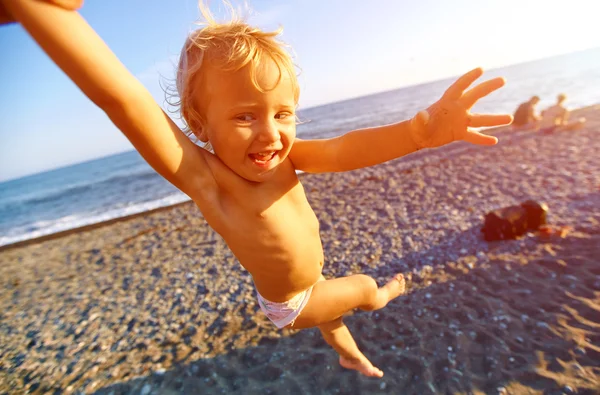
x=43 y=228
x=80 y=194
x=78 y=188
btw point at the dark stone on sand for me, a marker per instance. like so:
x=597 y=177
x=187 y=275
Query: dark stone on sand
x=156 y=273
x=126 y=283
x=131 y=324
x=268 y=342
x=201 y=289
x=324 y=226
x=190 y=330
x=217 y=327
x=248 y=323
x=514 y=221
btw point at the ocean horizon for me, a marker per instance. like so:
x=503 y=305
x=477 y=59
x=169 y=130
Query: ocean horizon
x=123 y=184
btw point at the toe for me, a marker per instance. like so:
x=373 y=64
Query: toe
x=376 y=372
x=401 y=280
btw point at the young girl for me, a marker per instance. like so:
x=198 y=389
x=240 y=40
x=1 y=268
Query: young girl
x=238 y=92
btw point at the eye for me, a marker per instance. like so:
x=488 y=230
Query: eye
x=244 y=117
x=283 y=115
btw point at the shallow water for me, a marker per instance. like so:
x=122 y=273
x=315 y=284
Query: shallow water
x=124 y=184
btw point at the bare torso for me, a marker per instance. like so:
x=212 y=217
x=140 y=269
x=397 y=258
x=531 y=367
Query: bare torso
x=272 y=230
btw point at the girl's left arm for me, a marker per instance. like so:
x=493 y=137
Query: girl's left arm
x=353 y=150
x=445 y=121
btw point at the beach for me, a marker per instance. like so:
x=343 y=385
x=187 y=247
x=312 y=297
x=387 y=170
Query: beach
x=157 y=304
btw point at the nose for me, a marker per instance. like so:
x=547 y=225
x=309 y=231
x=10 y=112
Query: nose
x=268 y=132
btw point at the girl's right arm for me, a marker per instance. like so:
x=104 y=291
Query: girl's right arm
x=76 y=48
x=66 y=4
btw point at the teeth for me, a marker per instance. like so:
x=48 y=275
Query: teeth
x=263 y=156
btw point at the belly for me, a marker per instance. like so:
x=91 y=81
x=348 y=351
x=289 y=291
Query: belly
x=283 y=269
x=275 y=235
x=284 y=257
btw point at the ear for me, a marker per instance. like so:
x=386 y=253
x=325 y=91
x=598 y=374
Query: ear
x=201 y=134
x=199 y=131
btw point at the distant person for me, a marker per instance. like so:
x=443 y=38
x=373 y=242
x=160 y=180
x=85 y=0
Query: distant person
x=556 y=117
x=525 y=115
x=239 y=91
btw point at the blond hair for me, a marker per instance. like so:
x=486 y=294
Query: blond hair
x=232 y=45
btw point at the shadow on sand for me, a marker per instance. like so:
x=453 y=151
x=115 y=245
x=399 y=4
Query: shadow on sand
x=510 y=325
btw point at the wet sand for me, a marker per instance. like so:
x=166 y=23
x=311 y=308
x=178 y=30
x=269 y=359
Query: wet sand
x=156 y=303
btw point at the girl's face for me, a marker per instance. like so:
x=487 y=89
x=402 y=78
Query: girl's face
x=251 y=131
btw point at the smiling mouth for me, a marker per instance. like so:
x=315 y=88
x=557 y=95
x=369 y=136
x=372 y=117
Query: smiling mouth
x=262 y=158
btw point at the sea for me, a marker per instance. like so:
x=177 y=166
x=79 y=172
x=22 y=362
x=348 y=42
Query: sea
x=123 y=184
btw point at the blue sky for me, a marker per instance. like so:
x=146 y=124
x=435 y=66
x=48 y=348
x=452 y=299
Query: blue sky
x=345 y=48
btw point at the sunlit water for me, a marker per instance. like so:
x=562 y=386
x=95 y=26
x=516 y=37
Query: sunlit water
x=124 y=184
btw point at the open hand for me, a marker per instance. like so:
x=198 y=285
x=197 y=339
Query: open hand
x=72 y=5
x=449 y=119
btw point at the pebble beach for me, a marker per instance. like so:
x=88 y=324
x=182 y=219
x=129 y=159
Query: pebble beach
x=157 y=304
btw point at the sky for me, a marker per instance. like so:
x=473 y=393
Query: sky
x=344 y=49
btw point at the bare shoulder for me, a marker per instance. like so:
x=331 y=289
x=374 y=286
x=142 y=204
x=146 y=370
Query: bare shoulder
x=209 y=185
x=202 y=181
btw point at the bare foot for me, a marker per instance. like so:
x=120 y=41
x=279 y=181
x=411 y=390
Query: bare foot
x=395 y=287
x=363 y=366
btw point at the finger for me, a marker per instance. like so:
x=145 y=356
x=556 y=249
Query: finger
x=479 y=138
x=456 y=90
x=4 y=19
x=4 y=16
x=71 y=5
x=485 y=88
x=481 y=120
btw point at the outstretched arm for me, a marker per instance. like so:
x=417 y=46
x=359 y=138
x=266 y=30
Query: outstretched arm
x=445 y=121
x=353 y=150
x=5 y=17
x=84 y=57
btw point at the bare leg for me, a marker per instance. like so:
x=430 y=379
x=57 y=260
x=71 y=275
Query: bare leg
x=335 y=297
x=576 y=125
x=337 y=335
x=390 y=291
x=331 y=299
